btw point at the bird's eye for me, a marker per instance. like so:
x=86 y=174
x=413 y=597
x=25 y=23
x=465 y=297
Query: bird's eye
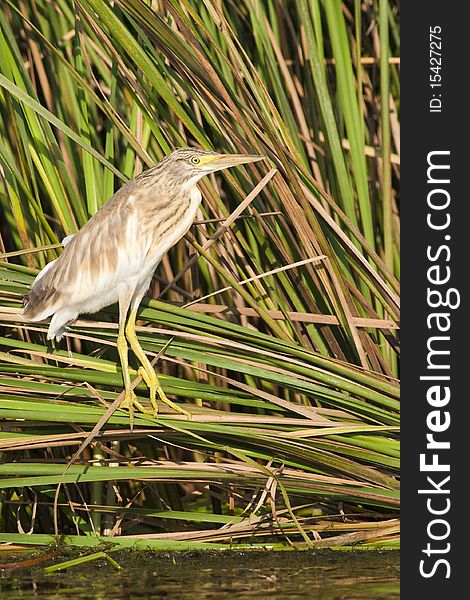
x=195 y=160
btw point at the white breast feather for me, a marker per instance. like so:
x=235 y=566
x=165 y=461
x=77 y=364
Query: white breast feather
x=182 y=228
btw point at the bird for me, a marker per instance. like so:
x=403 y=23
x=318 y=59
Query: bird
x=112 y=258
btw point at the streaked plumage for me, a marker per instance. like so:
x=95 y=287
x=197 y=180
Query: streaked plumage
x=114 y=255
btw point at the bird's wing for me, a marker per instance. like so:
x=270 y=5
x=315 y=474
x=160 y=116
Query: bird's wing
x=109 y=249
x=67 y=239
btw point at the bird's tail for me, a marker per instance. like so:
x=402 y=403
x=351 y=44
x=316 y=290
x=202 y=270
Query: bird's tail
x=36 y=303
x=34 y=306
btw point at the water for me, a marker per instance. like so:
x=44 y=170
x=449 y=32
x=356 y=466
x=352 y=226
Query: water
x=212 y=576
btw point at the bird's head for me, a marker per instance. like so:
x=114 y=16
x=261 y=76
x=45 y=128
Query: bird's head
x=191 y=163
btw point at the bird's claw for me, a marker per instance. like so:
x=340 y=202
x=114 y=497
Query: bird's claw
x=129 y=402
x=151 y=379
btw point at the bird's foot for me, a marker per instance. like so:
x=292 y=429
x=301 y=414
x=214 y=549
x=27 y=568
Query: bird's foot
x=153 y=383
x=130 y=402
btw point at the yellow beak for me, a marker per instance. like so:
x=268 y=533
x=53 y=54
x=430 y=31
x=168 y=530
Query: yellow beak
x=216 y=162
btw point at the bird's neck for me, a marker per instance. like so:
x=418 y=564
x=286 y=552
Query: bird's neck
x=196 y=197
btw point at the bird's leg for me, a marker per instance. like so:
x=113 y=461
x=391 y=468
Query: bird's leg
x=148 y=373
x=130 y=399
x=129 y=395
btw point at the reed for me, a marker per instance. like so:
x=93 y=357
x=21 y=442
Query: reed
x=287 y=353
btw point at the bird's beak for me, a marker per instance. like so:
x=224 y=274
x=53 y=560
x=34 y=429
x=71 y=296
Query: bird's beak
x=216 y=162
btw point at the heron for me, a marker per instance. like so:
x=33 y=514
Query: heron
x=112 y=258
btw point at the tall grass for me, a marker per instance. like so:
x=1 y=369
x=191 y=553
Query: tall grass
x=274 y=325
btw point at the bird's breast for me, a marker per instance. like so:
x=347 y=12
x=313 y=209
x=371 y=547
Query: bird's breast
x=172 y=228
